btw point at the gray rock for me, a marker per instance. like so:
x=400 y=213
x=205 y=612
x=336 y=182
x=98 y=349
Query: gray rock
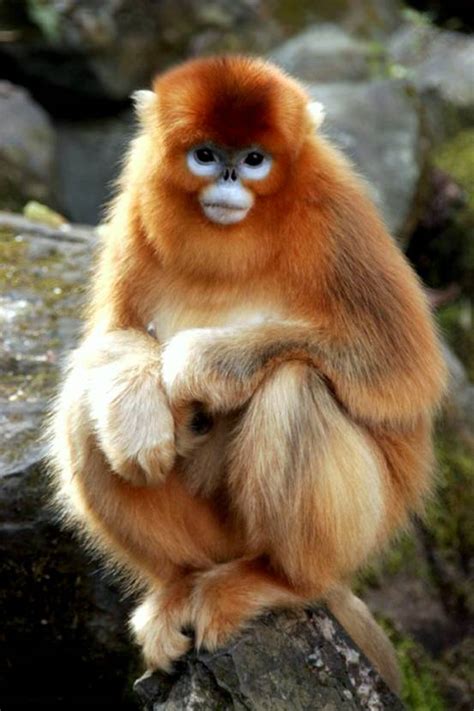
x=368 y=18
x=459 y=402
x=325 y=53
x=26 y=148
x=64 y=641
x=108 y=49
x=58 y=611
x=441 y=66
x=40 y=308
x=88 y=161
x=287 y=660
x=377 y=125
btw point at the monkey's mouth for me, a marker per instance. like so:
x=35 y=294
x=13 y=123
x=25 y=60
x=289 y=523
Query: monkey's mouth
x=224 y=213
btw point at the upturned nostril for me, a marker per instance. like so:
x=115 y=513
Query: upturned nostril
x=226 y=174
x=233 y=175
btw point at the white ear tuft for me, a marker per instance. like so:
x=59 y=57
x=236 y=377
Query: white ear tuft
x=316 y=113
x=142 y=99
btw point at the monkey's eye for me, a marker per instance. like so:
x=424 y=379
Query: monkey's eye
x=254 y=159
x=205 y=155
x=204 y=162
x=255 y=165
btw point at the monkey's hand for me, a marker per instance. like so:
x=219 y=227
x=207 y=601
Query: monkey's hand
x=222 y=367
x=198 y=366
x=118 y=376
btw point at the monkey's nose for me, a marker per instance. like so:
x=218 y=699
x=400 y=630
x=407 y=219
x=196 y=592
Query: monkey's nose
x=230 y=175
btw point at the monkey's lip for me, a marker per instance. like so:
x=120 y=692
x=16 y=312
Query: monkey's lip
x=225 y=206
x=224 y=213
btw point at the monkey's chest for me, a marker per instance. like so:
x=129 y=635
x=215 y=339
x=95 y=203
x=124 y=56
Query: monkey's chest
x=171 y=317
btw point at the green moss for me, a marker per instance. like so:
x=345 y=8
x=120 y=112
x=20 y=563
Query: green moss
x=420 y=691
x=45 y=15
x=43 y=277
x=400 y=555
x=18 y=387
x=10 y=249
x=456 y=157
x=39 y=287
x=421 y=687
x=457 y=326
x=449 y=518
x=25 y=442
x=296 y=15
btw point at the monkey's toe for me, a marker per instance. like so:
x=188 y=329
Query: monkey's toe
x=159 y=636
x=217 y=613
x=164 y=647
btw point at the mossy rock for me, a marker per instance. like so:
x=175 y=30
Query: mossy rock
x=442 y=247
x=42 y=286
x=456 y=157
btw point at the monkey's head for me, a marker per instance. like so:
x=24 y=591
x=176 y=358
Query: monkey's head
x=223 y=136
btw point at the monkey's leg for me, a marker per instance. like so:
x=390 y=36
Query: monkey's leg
x=156 y=534
x=310 y=486
x=311 y=491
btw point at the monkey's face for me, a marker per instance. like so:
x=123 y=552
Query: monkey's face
x=227 y=198
x=220 y=167
x=229 y=130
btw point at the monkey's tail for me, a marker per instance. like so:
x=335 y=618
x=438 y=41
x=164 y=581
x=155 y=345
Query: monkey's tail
x=359 y=623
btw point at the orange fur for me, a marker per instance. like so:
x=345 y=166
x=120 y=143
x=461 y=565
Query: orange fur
x=304 y=334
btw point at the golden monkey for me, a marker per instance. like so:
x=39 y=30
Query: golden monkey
x=248 y=416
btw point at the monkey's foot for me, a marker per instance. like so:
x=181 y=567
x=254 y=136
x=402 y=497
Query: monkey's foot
x=227 y=597
x=218 y=609
x=157 y=623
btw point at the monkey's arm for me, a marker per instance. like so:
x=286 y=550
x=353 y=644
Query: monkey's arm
x=223 y=367
x=115 y=376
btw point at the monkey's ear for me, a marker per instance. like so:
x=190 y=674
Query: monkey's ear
x=142 y=100
x=316 y=113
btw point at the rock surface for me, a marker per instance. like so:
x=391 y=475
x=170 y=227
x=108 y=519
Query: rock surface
x=87 y=50
x=459 y=406
x=42 y=282
x=88 y=161
x=107 y=50
x=26 y=148
x=377 y=125
x=290 y=660
x=368 y=18
x=58 y=611
x=64 y=642
x=325 y=53
x=441 y=66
